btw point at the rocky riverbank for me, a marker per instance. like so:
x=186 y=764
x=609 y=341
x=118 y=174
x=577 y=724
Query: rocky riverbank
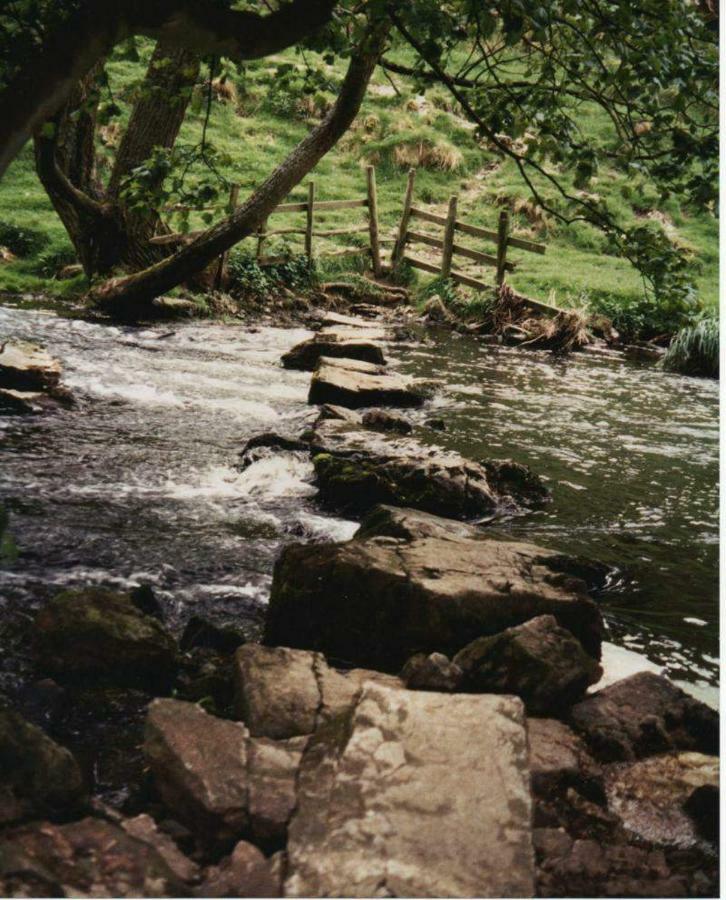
x=415 y=723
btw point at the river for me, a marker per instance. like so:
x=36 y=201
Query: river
x=137 y=484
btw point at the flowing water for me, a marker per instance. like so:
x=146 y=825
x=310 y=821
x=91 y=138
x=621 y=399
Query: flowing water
x=137 y=484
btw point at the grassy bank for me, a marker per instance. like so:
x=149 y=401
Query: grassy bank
x=262 y=114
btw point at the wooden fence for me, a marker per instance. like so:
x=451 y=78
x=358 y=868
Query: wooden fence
x=448 y=246
x=310 y=207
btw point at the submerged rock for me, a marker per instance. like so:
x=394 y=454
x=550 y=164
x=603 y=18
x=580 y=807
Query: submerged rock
x=381 y=420
x=651 y=795
x=37 y=776
x=90 y=858
x=539 y=661
x=642 y=715
x=281 y=693
x=101 y=633
x=307 y=354
x=415 y=794
x=514 y=480
x=217 y=780
x=376 y=600
x=344 y=385
x=27 y=367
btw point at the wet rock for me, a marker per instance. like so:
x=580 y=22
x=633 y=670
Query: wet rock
x=339 y=413
x=514 y=480
x=27 y=367
x=412 y=524
x=448 y=485
x=21 y=403
x=95 y=632
x=205 y=676
x=376 y=600
x=558 y=759
x=200 y=632
x=404 y=797
x=90 y=858
x=704 y=808
x=367 y=332
x=173 y=307
x=216 y=779
x=380 y=420
x=345 y=386
x=650 y=795
x=335 y=319
x=145 y=601
x=281 y=693
x=245 y=873
x=642 y=715
x=435 y=424
x=434 y=672
x=37 y=776
x=145 y=829
x=588 y=868
x=307 y=354
x=539 y=661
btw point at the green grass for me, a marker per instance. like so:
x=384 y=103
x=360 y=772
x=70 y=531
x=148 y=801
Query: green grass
x=695 y=350
x=266 y=124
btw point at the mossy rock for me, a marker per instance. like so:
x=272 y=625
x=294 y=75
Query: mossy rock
x=37 y=776
x=101 y=633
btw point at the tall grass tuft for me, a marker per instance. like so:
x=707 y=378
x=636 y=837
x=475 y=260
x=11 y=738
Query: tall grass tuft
x=694 y=350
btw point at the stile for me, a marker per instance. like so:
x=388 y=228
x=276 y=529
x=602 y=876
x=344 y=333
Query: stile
x=310 y=215
x=502 y=240
x=373 y=221
x=400 y=244
x=448 y=250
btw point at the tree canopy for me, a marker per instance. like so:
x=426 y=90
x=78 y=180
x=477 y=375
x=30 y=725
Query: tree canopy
x=521 y=71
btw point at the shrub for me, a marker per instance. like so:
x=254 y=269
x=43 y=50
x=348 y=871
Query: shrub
x=695 y=350
x=249 y=278
x=22 y=241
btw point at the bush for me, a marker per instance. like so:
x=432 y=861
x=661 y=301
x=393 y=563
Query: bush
x=49 y=263
x=638 y=316
x=695 y=350
x=249 y=278
x=22 y=241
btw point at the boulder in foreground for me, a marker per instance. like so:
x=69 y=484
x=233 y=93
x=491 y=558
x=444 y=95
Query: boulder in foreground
x=642 y=715
x=539 y=661
x=415 y=794
x=90 y=858
x=375 y=601
x=102 y=633
x=217 y=780
x=37 y=776
x=282 y=693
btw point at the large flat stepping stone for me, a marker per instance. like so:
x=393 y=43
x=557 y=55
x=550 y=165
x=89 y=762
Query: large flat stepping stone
x=306 y=355
x=377 y=600
x=337 y=320
x=415 y=795
x=367 y=332
x=355 y=389
x=27 y=367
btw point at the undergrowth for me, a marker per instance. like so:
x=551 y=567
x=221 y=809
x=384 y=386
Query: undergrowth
x=695 y=350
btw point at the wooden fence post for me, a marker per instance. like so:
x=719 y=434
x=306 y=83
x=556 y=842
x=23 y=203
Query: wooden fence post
x=400 y=245
x=309 y=228
x=448 y=252
x=502 y=240
x=373 y=221
x=221 y=277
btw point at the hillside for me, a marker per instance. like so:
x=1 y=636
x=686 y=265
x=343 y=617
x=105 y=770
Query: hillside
x=260 y=114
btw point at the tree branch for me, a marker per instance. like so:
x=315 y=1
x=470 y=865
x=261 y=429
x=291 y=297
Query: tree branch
x=45 y=81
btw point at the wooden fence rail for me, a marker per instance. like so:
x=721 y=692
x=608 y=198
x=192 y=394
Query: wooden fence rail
x=449 y=248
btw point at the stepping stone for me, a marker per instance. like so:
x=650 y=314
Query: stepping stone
x=27 y=367
x=377 y=600
x=306 y=355
x=415 y=794
x=354 y=389
x=338 y=319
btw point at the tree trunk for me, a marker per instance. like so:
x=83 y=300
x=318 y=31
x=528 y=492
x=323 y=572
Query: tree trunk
x=105 y=233
x=132 y=291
